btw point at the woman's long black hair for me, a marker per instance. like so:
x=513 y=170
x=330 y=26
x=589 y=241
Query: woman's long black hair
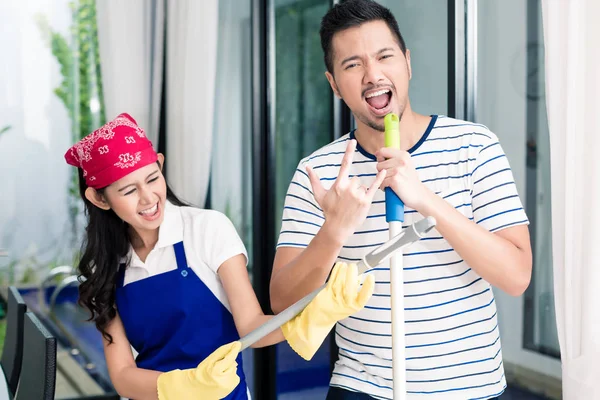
x=106 y=243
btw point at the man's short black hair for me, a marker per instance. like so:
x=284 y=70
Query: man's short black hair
x=352 y=13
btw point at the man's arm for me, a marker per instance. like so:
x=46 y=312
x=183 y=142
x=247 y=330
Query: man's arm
x=496 y=243
x=297 y=271
x=503 y=258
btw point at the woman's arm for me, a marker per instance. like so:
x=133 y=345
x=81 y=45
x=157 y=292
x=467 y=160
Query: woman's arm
x=246 y=310
x=129 y=380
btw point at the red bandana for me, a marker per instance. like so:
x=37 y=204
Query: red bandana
x=111 y=152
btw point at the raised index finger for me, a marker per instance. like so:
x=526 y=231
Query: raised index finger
x=347 y=160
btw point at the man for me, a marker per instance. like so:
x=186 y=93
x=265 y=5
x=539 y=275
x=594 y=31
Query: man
x=455 y=171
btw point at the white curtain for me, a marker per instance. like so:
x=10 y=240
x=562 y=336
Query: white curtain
x=130 y=37
x=232 y=148
x=191 y=71
x=573 y=87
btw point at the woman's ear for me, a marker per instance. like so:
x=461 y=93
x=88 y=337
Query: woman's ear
x=96 y=198
x=161 y=160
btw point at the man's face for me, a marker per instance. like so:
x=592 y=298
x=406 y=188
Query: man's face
x=370 y=72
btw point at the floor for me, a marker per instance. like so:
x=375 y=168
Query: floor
x=518 y=394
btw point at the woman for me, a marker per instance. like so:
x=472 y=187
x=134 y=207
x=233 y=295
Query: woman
x=171 y=280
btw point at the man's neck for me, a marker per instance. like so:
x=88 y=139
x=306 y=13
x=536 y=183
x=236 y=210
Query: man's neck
x=412 y=128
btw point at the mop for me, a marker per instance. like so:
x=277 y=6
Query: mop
x=382 y=253
x=308 y=334
x=394 y=215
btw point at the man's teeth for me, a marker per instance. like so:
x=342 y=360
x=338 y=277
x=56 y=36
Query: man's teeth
x=378 y=93
x=150 y=210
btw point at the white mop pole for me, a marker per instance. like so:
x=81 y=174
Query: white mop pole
x=394 y=211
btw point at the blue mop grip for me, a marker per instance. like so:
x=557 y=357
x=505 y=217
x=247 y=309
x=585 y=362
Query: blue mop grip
x=394 y=207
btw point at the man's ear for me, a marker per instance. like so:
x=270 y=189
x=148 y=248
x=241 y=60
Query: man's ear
x=161 y=160
x=333 y=85
x=96 y=198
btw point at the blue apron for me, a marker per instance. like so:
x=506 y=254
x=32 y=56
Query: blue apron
x=174 y=321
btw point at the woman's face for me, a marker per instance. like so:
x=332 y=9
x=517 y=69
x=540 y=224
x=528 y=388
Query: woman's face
x=139 y=198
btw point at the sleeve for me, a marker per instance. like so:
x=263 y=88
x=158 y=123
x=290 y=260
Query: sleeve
x=495 y=201
x=302 y=217
x=221 y=240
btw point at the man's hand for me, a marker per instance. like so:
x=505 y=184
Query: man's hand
x=346 y=204
x=402 y=177
x=340 y=299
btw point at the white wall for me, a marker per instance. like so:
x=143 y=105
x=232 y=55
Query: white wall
x=33 y=174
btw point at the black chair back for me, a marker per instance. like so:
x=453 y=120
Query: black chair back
x=38 y=377
x=12 y=352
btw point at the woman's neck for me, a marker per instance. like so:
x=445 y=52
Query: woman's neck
x=143 y=242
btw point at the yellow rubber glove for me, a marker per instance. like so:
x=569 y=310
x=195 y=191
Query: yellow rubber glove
x=214 y=378
x=338 y=300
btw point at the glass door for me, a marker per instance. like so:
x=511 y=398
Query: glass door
x=511 y=102
x=231 y=170
x=303 y=122
x=424 y=26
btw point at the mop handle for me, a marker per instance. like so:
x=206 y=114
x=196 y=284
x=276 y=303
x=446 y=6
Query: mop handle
x=394 y=213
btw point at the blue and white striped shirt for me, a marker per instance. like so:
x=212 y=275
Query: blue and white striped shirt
x=453 y=346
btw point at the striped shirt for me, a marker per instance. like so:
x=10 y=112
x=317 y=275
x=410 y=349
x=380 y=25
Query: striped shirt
x=453 y=348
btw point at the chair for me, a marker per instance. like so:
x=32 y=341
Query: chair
x=38 y=379
x=12 y=353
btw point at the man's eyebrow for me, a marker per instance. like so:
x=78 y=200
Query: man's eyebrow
x=352 y=58
x=385 y=49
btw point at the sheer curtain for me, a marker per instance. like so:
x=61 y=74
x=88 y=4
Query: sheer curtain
x=130 y=36
x=132 y=46
x=190 y=72
x=572 y=87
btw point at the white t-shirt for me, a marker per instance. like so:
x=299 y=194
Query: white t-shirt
x=452 y=338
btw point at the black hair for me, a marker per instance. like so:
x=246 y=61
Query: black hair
x=352 y=13
x=106 y=243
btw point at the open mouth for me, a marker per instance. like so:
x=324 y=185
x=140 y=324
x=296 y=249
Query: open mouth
x=150 y=213
x=379 y=101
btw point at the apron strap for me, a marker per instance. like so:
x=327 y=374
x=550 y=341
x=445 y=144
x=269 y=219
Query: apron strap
x=121 y=275
x=180 y=255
